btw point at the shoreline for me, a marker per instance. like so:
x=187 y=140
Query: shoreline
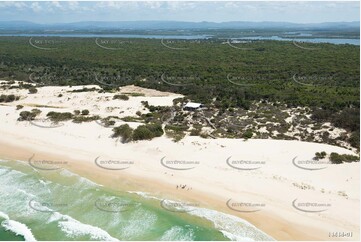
x=269 y=222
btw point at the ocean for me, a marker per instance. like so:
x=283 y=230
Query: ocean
x=61 y=205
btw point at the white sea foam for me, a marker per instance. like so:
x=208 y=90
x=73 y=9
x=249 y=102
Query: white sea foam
x=73 y=228
x=84 y=180
x=44 y=182
x=26 y=193
x=231 y=226
x=178 y=233
x=145 y=195
x=4 y=215
x=138 y=223
x=18 y=229
x=67 y=173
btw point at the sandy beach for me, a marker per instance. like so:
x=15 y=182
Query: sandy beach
x=214 y=173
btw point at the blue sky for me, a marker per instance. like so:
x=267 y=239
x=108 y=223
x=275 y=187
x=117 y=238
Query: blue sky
x=298 y=12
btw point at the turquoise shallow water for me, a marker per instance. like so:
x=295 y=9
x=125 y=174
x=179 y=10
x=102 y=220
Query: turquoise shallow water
x=60 y=205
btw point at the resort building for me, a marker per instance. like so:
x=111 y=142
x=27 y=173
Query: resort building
x=192 y=106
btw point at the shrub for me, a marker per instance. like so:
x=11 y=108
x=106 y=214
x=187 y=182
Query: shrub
x=147 y=132
x=336 y=158
x=123 y=131
x=204 y=135
x=19 y=107
x=85 y=112
x=8 y=98
x=32 y=90
x=195 y=132
x=176 y=132
x=142 y=133
x=121 y=96
x=76 y=112
x=26 y=115
x=247 y=134
x=320 y=155
x=80 y=119
x=57 y=117
x=85 y=89
x=36 y=111
x=107 y=122
x=131 y=119
x=355 y=139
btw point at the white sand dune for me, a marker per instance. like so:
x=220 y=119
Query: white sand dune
x=277 y=184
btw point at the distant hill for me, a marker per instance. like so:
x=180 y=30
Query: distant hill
x=173 y=25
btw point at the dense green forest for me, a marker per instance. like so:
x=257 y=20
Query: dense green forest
x=324 y=77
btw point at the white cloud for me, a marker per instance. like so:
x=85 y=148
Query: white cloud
x=35 y=6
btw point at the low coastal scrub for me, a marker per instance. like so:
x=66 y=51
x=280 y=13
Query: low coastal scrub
x=247 y=134
x=33 y=90
x=320 y=155
x=8 y=98
x=77 y=117
x=134 y=94
x=121 y=97
x=131 y=119
x=85 y=89
x=29 y=115
x=336 y=158
x=147 y=132
x=142 y=132
x=80 y=119
x=85 y=112
x=124 y=132
x=175 y=132
x=58 y=117
x=109 y=121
